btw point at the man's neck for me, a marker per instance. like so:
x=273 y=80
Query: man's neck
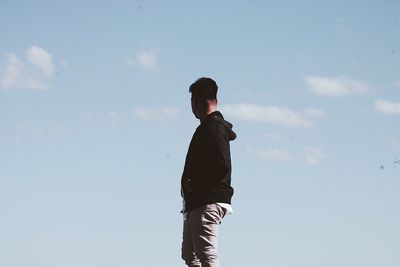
x=210 y=110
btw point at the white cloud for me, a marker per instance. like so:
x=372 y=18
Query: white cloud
x=17 y=74
x=146 y=60
x=310 y=156
x=112 y=114
x=275 y=155
x=40 y=59
x=34 y=73
x=313 y=112
x=313 y=155
x=272 y=114
x=39 y=130
x=387 y=107
x=109 y=119
x=165 y=113
x=112 y=118
x=339 y=86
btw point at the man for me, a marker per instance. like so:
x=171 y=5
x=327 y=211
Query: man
x=206 y=180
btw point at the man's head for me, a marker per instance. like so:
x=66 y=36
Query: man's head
x=204 y=97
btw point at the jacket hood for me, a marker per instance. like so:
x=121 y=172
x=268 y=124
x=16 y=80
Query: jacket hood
x=216 y=115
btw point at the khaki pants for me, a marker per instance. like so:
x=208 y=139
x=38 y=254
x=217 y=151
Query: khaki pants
x=200 y=236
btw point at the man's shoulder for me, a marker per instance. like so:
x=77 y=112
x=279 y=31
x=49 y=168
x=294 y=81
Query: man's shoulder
x=214 y=129
x=214 y=124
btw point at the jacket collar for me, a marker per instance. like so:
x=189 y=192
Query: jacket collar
x=213 y=115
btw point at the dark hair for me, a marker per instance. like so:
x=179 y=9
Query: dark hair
x=204 y=88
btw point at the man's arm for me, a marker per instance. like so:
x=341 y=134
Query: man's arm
x=216 y=154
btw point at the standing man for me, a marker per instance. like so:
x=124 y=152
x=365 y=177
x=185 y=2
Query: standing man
x=206 y=180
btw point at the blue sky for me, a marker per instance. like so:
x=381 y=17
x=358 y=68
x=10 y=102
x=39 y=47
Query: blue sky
x=95 y=122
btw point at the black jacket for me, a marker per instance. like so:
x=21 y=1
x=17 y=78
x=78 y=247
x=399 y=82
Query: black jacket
x=206 y=177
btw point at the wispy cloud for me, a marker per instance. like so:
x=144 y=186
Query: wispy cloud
x=339 y=86
x=109 y=119
x=34 y=73
x=387 y=106
x=310 y=156
x=270 y=137
x=147 y=60
x=313 y=155
x=342 y=26
x=272 y=114
x=165 y=113
x=276 y=154
x=64 y=63
x=314 y=113
x=39 y=130
x=112 y=118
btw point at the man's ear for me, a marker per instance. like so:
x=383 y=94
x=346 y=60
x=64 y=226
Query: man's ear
x=212 y=102
x=205 y=104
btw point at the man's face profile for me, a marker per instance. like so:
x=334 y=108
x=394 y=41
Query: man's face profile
x=195 y=106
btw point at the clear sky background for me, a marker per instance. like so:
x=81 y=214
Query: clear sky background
x=95 y=122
